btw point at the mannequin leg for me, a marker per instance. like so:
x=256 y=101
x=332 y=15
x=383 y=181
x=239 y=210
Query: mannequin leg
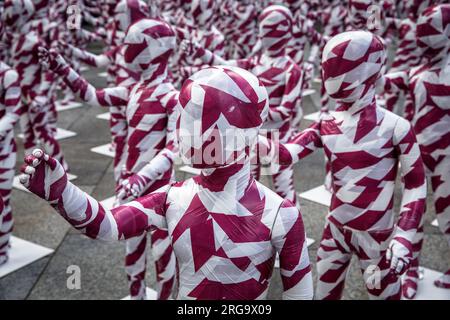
x=7 y=163
x=440 y=183
x=333 y=259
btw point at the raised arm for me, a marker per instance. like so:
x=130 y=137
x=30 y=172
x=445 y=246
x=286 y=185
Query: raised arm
x=115 y=96
x=91 y=59
x=413 y=200
x=10 y=88
x=195 y=50
x=289 y=240
x=45 y=177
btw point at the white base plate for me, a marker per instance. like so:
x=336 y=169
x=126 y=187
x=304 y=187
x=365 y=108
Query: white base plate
x=427 y=290
x=104 y=149
x=21 y=254
x=317 y=80
x=308 y=92
x=60 y=134
x=151 y=294
x=190 y=170
x=318 y=194
x=64 y=107
x=309 y=242
x=108 y=203
x=19 y=186
x=312 y=116
x=104 y=116
x=103 y=74
x=434 y=223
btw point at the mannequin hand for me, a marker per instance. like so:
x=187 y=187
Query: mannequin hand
x=51 y=59
x=191 y=48
x=133 y=187
x=399 y=256
x=43 y=176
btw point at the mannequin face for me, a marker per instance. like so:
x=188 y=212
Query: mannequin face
x=351 y=64
x=433 y=31
x=148 y=43
x=275 y=29
x=221 y=111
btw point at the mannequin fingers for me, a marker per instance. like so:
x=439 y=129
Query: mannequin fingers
x=388 y=254
x=32 y=160
x=25 y=179
x=394 y=263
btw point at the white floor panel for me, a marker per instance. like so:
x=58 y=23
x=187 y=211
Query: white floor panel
x=318 y=194
x=427 y=290
x=68 y=106
x=60 y=134
x=104 y=116
x=21 y=254
x=104 y=149
x=308 y=92
x=151 y=294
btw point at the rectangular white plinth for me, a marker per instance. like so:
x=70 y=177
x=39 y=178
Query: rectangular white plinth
x=318 y=194
x=104 y=116
x=68 y=106
x=151 y=294
x=312 y=116
x=308 y=92
x=427 y=290
x=60 y=134
x=21 y=254
x=103 y=74
x=190 y=170
x=17 y=185
x=104 y=149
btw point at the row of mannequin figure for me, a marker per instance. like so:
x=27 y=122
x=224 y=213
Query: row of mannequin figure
x=219 y=84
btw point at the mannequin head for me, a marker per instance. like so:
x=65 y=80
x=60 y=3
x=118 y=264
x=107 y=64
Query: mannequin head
x=351 y=64
x=275 y=27
x=148 y=46
x=128 y=12
x=17 y=13
x=433 y=31
x=221 y=111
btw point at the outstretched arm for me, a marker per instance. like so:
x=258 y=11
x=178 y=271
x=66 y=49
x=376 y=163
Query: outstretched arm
x=413 y=200
x=10 y=87
x=289 y=240
x=298 y=147
x=116 y=96
x=45 y=177
x=91 y=59
x=194 y=50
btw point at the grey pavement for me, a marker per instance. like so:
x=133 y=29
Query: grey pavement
x=101 y=264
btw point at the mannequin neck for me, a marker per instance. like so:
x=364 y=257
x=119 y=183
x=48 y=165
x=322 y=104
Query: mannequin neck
x=355 y=107
x=235 y=178
x=155 y=73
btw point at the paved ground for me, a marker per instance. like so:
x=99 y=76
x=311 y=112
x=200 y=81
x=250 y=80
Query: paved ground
x=101 y=264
